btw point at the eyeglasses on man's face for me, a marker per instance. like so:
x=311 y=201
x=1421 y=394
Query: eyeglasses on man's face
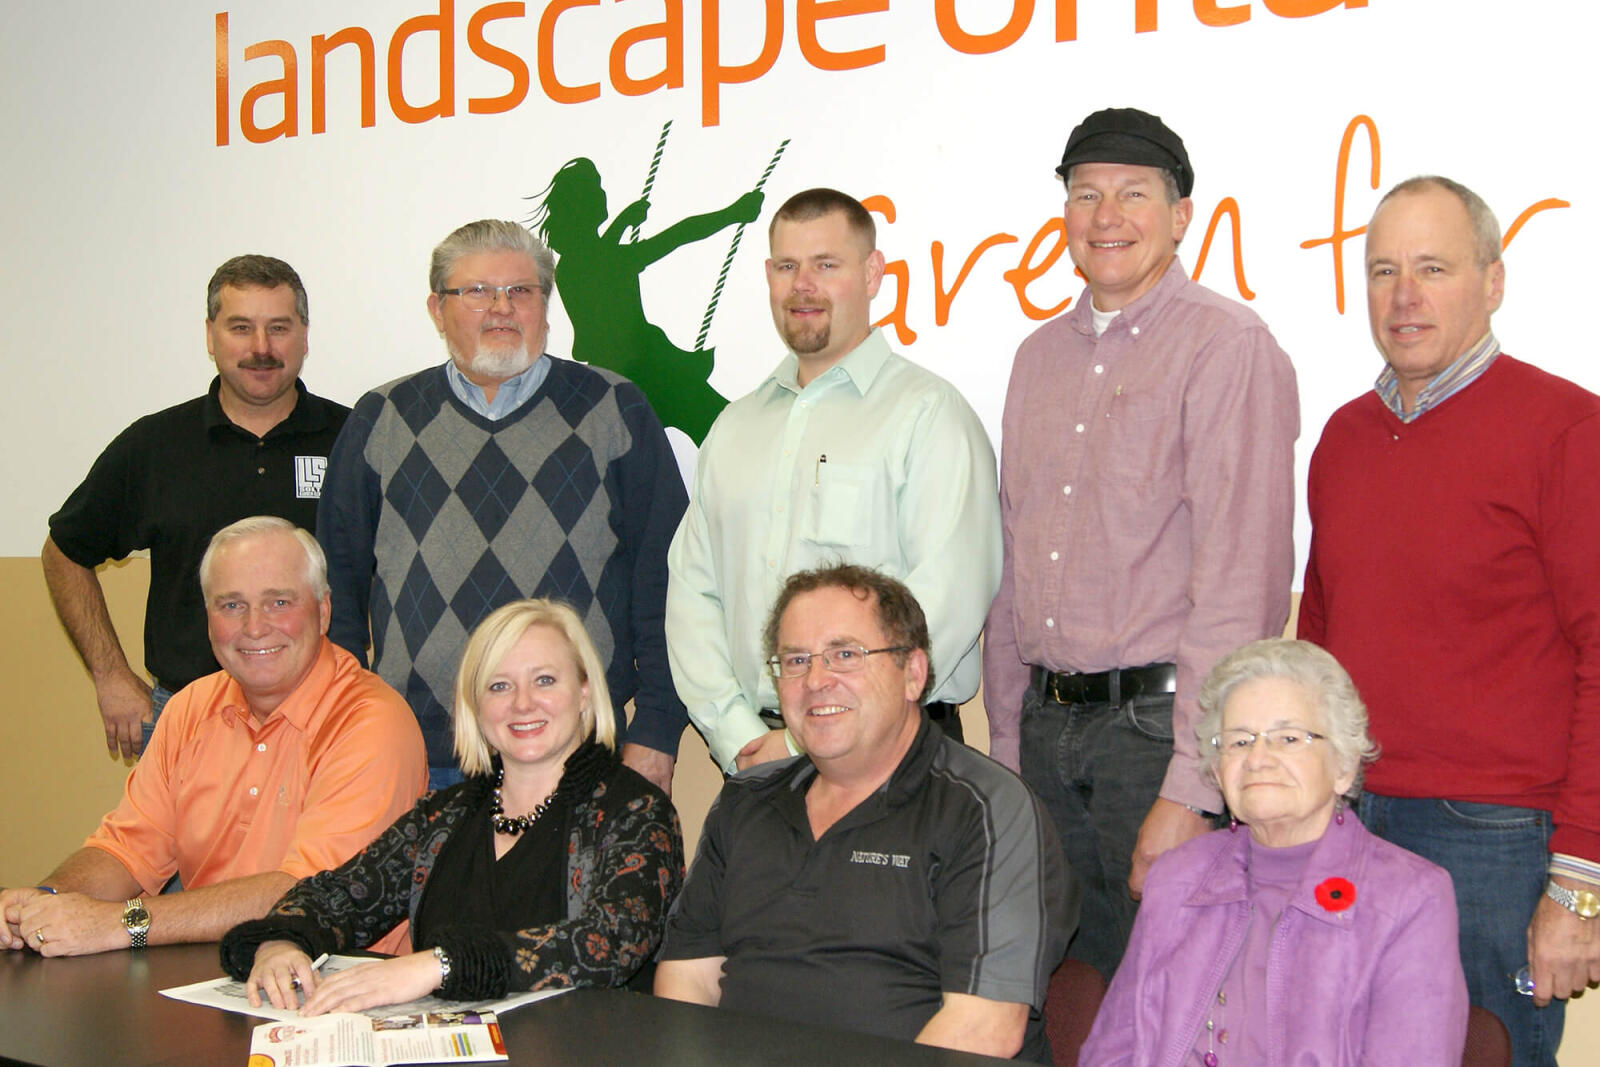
x=844 y=659
x=1283 y=740
x=520 y=295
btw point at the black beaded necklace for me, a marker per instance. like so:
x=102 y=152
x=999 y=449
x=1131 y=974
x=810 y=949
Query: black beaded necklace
x=505 y=824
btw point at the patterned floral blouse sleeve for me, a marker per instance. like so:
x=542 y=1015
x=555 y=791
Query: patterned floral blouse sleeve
x=624 y=869
x=355 y=904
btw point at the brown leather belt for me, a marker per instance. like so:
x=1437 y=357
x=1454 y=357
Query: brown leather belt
x=1107 y=687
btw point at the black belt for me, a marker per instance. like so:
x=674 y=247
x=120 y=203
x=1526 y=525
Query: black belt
x=938 y=711
x=1107 y=687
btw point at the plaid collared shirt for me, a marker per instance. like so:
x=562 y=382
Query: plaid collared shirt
x=1446 y=384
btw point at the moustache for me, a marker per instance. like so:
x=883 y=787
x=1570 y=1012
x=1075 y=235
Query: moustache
x=260 y=363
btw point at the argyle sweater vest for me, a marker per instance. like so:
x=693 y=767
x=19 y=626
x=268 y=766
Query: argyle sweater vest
x=473 y=513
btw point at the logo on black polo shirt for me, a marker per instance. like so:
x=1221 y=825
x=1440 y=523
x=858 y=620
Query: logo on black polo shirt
x=880 y=859
x=308 y=471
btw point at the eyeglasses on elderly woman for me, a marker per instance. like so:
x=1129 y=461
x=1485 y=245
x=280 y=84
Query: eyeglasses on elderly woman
x=1283 y=740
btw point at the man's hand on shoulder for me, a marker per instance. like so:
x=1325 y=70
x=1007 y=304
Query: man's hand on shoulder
x=655 y=767
x=124 y=701
x=1563 y=949
x=1168 y=825
x=72 y=924
x=769 y=746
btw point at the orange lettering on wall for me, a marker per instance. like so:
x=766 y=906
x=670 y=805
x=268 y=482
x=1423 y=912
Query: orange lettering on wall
x=320 y=47
x=1211 y=14
x=1299 y=9
x=713 y=75
x=670 y=32
x=285 y=86
x=1066 y=20
x=1543 y=205
x=810 y=12
x=1144 y=16
x=977 y=44
x=941 y=299
x=1340 y=235
x=222 y=78
x=1027 y=269
x=443 y=24
x=561 y=94
x=1230 y=207
x=499 y=57
x=900 y=272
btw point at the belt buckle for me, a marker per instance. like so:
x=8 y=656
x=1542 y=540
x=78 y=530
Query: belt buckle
x=1054 y=690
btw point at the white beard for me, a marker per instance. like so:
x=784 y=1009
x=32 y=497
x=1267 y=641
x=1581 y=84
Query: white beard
x=499 y=363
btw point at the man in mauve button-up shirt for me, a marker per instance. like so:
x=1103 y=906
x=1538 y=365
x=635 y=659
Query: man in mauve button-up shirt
x=286 y=762
x=1147 y=503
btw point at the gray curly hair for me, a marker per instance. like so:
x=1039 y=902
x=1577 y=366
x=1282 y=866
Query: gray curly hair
x=1344 y=716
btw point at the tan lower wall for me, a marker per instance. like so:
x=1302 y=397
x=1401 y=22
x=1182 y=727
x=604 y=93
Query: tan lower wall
x=59 y=781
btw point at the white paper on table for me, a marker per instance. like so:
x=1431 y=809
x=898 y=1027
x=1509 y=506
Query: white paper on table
x=229 y=995
x=349 y=1038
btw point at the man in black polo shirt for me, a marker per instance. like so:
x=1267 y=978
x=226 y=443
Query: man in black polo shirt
x=256 y=444
x=890 y=881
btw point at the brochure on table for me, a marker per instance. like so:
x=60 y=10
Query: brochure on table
x=229 y=995
x=349 y=1038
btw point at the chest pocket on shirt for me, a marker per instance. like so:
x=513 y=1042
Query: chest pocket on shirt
x=840 y=506
x=1140 y=403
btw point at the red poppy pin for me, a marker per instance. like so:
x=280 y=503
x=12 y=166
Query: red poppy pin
x=1335 y=894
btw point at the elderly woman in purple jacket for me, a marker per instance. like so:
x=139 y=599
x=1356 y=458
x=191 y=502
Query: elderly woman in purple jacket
x=1294 y=936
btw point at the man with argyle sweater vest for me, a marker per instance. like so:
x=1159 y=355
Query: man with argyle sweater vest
x=504 y=473
x=1454 y=573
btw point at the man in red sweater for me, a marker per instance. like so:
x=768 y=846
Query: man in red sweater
x=1454 y=572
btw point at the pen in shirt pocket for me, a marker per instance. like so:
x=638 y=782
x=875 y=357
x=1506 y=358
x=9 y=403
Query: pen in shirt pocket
x=816 y=478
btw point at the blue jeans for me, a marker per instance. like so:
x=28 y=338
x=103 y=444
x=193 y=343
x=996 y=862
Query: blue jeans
x=1497 y=857
x=1097 y=770
x=159 y=695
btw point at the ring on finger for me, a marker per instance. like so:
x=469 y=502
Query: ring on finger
x=39 y=935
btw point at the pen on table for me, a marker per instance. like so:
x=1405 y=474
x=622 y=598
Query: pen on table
x=316 y=965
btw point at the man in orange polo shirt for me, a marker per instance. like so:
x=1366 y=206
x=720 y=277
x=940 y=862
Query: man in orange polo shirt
x=284 y=763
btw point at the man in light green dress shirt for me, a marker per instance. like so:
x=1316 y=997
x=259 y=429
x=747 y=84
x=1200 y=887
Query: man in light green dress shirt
x=846 y=452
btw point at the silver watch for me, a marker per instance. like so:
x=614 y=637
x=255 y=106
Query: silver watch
x=444 y=965
x=136 y=920
x=1583 y=903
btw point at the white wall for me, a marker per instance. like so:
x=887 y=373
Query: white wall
x=121 y=202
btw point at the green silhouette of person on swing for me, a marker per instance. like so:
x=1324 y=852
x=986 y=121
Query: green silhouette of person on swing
x=597 y=276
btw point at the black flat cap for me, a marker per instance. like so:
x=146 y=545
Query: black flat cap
x=1128 y=135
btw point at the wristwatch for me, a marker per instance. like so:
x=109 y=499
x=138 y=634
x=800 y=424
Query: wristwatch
x=1581 y=902
x=136 y=920
x=443 y=958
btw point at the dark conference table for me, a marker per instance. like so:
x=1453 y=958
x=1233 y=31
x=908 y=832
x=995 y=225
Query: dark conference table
x=105 y=1010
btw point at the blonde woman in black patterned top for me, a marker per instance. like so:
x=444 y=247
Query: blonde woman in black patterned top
x=551 y=865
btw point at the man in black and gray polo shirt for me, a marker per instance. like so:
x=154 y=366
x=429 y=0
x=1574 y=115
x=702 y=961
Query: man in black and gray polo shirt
x=255 y=444
x=889 y=881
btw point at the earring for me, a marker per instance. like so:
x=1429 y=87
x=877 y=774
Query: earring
x=1233 y=824
x=1338 y=811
